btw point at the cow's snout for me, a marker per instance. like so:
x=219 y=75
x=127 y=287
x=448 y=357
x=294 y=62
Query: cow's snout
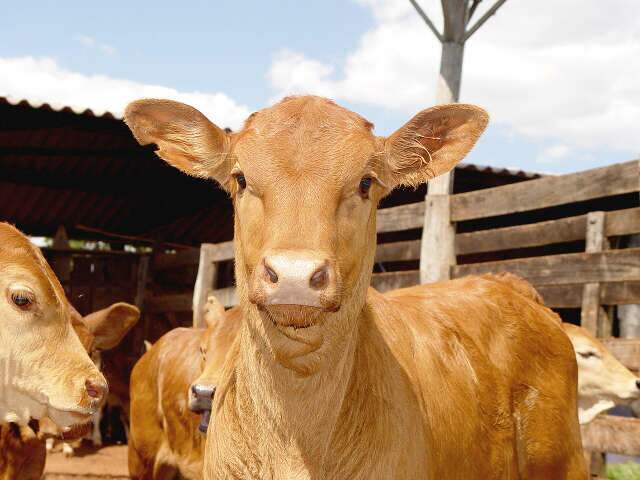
x=201 y=397
x=296 y=278
x=97 y=390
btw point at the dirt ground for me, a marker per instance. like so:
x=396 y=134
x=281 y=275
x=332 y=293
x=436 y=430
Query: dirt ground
x=90 y=464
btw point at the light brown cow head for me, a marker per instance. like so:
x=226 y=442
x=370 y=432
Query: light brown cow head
x=602 y=380
x=305 y=176
x=44 y=369
x=99 y=331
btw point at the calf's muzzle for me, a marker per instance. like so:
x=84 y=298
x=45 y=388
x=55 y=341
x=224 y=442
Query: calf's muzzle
x=200 y=401
x=296 y=278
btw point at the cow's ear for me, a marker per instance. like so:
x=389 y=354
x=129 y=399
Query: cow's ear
x=111 y=324
x=432 y=143
x=185 y=138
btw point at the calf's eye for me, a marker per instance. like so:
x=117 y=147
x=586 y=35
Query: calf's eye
x=22 y=299
x=242 y=182
x=588 y=354
x=365 y=186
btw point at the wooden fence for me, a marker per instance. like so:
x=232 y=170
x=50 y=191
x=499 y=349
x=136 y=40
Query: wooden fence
x=592 y=280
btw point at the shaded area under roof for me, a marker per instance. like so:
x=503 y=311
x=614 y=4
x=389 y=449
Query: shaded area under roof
x=87 y=173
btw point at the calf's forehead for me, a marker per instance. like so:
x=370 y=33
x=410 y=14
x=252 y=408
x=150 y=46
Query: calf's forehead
x=305 y=135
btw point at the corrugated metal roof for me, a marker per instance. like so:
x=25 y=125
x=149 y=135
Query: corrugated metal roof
x=53 y=107
x=512 y=172
x=64 y=166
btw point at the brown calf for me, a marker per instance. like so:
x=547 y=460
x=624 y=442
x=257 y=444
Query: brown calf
x=44 y=371
x=330 y=379
x=23 y=447
x=602 y=380
x=165 y=440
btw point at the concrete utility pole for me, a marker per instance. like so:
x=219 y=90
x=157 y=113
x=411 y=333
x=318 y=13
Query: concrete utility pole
x=438 y=232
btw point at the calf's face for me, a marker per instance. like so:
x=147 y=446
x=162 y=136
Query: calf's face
x=44 y=369
x=305 y=176
x=602 y=380
x=99 y=331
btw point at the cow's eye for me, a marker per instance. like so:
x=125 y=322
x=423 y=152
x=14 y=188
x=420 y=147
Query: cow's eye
x=242 y=182
x=588 y=354
x=365 y=186
x=22 y=299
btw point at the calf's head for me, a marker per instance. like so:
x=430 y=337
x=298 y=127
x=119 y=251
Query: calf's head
x=44 y=369
x=99 y=331
x=305 y=176
x=602 y=380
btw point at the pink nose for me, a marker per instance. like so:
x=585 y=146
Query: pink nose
x=295 y=278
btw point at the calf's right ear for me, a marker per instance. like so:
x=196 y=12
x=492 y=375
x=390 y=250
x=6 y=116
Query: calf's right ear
x=185 y=138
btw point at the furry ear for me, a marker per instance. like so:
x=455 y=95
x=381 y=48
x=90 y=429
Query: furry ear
x=111 y=324
x=432 y=143
x=185 y=138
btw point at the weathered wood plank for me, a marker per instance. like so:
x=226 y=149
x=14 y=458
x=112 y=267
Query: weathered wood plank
x=591 y=315
x=532 y=235
x=546 y=192
x=180 y=302
x=207 y=272
x=402 y=217
x=398 y=251
x=623 y=222
x=613 y=435
x=218 y=252
x=384 y=282
x=569 y=229
x=610 y=266
x=437 y=253
x=570 y=295
x=181 y=258
x=228 y=297
x=627 y=350
x=141 y=281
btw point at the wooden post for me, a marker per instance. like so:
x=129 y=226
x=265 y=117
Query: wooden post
x=141 y=281
x=592 y=314
x=62 y=263
x=629 y=315
x=437 y=249
x=207 y=271
x=593 y=317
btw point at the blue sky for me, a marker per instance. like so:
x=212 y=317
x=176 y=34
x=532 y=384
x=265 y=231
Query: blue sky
x=552 y=110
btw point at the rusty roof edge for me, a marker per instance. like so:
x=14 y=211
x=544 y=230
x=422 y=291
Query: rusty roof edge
x=515 y=172
x=57 y=107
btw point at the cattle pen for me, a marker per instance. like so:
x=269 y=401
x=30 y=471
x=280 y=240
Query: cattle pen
x=572 y=236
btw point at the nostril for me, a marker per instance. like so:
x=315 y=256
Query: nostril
x=638 y=383
x=194 y=390
x=320 y=278
x=94 y=390
x=273 y=276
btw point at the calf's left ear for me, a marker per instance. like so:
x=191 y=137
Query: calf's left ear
x=433 y=142
x=111 y=324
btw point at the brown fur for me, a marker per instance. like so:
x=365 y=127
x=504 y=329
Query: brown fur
x=23 y=451
x=164 y=438
x=465 y=379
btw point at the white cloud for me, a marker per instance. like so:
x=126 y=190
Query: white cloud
x=43 y=80
x=565 y=72
x=92 y=43
x=553 y=153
